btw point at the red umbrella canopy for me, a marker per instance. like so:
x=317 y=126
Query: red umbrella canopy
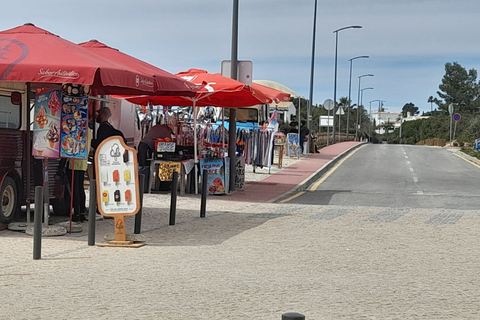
x=274 y=94
x=31 y=54
x=165 y=82
x=217 y=91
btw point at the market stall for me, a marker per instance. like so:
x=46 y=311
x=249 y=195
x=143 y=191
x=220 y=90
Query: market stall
x=218 y=91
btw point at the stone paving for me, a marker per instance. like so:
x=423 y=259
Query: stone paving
x=253 y=261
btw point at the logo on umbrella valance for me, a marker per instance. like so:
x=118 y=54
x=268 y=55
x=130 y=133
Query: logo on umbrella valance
x=59 y=74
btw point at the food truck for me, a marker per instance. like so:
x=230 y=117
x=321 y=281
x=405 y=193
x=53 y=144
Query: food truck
x=19 y=171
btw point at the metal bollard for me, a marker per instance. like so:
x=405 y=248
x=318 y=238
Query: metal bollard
x=203 y=205
x=293 y=316
x=138 y=217
x=92 y=212
x=37 y=223
x=173 y=199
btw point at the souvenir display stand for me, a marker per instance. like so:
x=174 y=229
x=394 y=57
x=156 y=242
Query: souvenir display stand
x=118 y=193
x=293 y=145
x=279 y=148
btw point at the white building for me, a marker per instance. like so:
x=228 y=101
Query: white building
x=380 y=119
x=394 y=118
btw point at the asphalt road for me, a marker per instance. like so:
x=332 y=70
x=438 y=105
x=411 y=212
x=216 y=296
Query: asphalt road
x=398 y=176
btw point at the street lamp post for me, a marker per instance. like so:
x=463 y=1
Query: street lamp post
x=310 y=101
x=349 y=92
x=335 y=77
x=358 y=103
x=361 y=99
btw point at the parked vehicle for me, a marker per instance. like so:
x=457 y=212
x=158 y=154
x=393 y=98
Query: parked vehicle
x=19 y=171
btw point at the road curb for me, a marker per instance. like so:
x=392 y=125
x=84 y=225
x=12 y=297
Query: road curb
x=317 y=174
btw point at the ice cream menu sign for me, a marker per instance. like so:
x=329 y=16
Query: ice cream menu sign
x=60 y=125
x=46 y=129
x=74 y=125
x=117 y=181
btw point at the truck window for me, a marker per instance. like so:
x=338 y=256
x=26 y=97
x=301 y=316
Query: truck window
x=9 y=114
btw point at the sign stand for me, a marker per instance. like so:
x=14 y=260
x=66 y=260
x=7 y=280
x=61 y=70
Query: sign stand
x=118 y=192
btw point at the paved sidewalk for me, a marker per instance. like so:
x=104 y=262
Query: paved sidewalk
x=295 y=177
x=255 y=260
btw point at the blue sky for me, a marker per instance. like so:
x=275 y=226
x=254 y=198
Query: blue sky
x=408 y=41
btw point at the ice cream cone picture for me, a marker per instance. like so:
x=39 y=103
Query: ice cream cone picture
x=39 y=145
x=52 y=135
x=41 y=118
x=54 y=104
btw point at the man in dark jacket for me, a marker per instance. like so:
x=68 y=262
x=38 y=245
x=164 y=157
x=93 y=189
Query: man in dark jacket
x=105 y=129
x=303 y=133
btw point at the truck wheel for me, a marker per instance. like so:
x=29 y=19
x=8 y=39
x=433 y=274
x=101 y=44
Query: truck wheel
x=9 y=203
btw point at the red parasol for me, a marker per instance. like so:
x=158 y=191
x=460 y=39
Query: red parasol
x=219 y=91
x=276 y=95
x=165 y=82
x=31 y=54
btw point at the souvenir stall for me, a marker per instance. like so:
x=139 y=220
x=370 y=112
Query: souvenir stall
x=218 y=91
x=257 y=145
x=213 y=146
x=174 y=153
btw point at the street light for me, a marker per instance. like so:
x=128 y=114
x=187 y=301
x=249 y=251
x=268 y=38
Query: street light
x=358 y=102
x=311 y=67
x=361 y=99
x=349 y=91
x=335 y=77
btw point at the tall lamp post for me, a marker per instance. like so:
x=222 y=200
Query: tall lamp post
x=349 y=91
x=335 y=77
x=233 y=112
x=361 y=99
x=358 y=103
x=370 y=117
x=310 y=100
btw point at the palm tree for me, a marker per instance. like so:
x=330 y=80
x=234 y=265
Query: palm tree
x=343 y=103
x=431 y=100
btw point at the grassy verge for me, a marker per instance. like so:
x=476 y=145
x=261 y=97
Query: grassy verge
x=471 y=152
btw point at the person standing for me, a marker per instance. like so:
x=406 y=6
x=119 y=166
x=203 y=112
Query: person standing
x=105 y=130
x=79 y=167
x=147 y=145
x=304 y=132
x=293 y=125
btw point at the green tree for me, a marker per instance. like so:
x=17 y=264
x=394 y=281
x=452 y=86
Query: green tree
x=409 y=107
x=460 y=88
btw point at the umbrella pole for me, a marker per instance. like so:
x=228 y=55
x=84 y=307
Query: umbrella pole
x=28 y=147
x=223 y=130
x=195 y=149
